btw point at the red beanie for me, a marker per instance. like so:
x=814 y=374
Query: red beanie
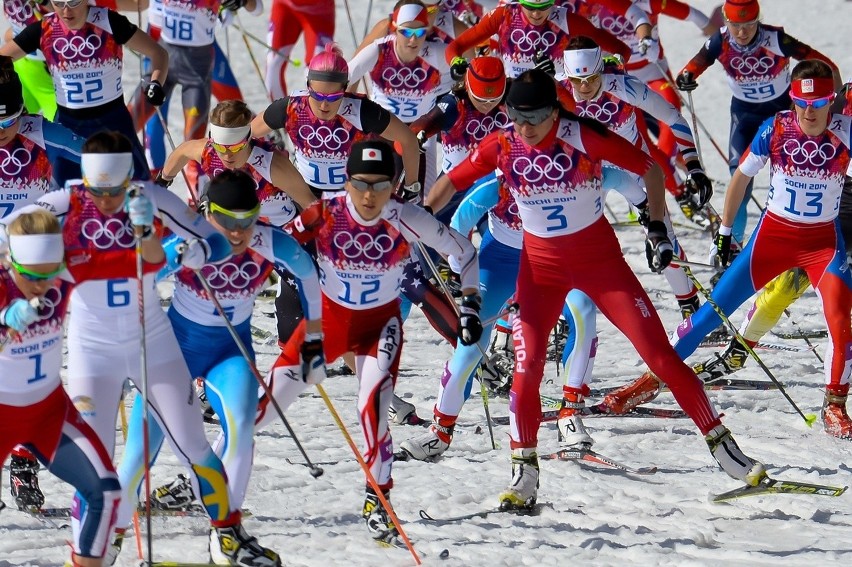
x=739 y=11
x=486 y=78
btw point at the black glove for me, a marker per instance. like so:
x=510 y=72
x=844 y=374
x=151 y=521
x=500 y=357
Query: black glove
x=162 y=181
x=723 y=250
x=313 y=360
x=658 y=247
x=458 y=67
x=470 y=327
x=411 y=192
x=232 y=5
x=686 y=82
x=421 y=141
x=698 y=184
x=643 y=213
x=544 y=63
x=154 y=93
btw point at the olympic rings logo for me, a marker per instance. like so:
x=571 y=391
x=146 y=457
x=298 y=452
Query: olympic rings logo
x=77 y=46
x=543 y=167
x=601 y=112
x=751 y=65
x=47 y=306
x=409 y=78
x=532 y=40
x=231 y=275
x=324 y=137
x=363 y=244
x=617 y=25
x=11 y=163
x=478 y=129
x=513 y=209
x=18 y=10
x=107 y=234
x=809 y=152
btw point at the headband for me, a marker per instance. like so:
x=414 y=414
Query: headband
x=329 y=76
x=582 y=62
x=106 y=170
x=411 y=13
x=227 y=136
x=37 y=248
x=812 y=88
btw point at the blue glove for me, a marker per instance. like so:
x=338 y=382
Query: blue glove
x=140 y=209
x=19 y=315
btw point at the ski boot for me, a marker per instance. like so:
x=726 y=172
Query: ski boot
x=114 y=548
x=377 y=518
x=691 y=211
x=206 y=408
x=733 y=359
x=432 y=443
x=176 y=495
x=233 y=546
x=644 y=389
x=401 y=412
x=731 y=458
x=23 y=474
x=572 y=432
x=688 y=306
x=521 y=495
x=497 y=373
x=834 y=417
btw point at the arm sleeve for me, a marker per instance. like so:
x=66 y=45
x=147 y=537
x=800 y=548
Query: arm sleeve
x=484 y=28
x=706 y=56
x=757 y=153
x=634 y=14
x=374 y=118
x=654 y=104
x=363 y=62
x=29 y=39
x=275 y=114
x=608 y=146
x=680 y=11
x=59 y=141
x=186 y=223
x=480 y=163
x=578 y=25
x=122 y=28
x=290 y=255
x=792 y=47
x=476 y=203
x=417 y=224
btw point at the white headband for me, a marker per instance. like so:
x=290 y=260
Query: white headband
x=106 y=170
x=410 y=13
x=36 y=248
x=582 y=62
x=227 y=136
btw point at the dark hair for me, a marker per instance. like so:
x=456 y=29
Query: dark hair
x=581 y=42
x=811 y=69
x=233 y=190
x=107 y=142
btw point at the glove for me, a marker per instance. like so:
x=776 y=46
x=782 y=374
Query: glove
x=232 y=5
x=421 y=141
x=699 y=186
x=313 y=359
x=643 y=213
x=162 y=181
x=470 y=327
x=139 y=208
x=723 y=247
x=411 y=192
x=647 y=44
x=544 y=63
x=686 y=82
x=19 y=315
x=658 y=247
x=458 y=67
x=194 y=254
x=155 y=94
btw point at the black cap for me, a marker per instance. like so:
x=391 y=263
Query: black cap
x=233 y=190
x=371 y=157
x=532 y=90
x=11 y=96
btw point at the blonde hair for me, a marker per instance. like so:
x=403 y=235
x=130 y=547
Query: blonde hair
x=36 y=222
x=231 y=114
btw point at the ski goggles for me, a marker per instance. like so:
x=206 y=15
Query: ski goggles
x=363 y=186
x=12 y=120
x=408 y=33
x=229 y=148
x=531 y=117
x=113 y=191
x=536 y=6
x=234 y=220
x=813 y=102
x=60 y=4
x=326 y=97
x=32 y=276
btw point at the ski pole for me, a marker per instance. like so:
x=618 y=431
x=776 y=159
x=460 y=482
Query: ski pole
x=171 y=141
x=809 y=419
x=253 y=59
x=251 y=36
x=315 y=471
x=370 y=478
x=351 y=24
x=367 y=19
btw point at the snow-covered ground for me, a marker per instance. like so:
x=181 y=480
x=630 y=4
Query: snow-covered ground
x=594 y=515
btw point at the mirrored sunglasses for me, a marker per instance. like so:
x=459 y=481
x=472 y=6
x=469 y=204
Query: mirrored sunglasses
x=814 y=102
x=531 y=117
x=60 y=4
x=536 y=6
x=229 y=148
x=588 y=79
x=12 y=120
x=408 y=33
x=32 y=276
x=326 y=97
x=362 y=186
x=234 y=220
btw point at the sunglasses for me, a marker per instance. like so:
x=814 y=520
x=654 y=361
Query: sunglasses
x=12 y=120
x=536 y=7
x=433 y=9
x=486 y=100
x=108 y=191
x=587 y=80
x=32 y=276
x=325 y=97
x=362 y=186
x=741 y=25
x=234 y=220
x=531 y=117
x=814 y=102
x=408 y=33
x=230 y=148
x=66 y=4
